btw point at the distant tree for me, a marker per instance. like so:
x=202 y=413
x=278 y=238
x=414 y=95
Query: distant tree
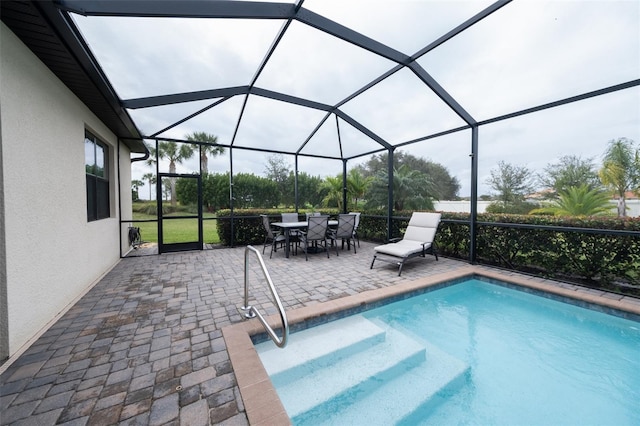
x=511 y=183
x=570 y=172
x=217 y=189
x=445 y=187
x=251 y=191
x=166 y=186
x=332 y=186
x=578 y=201
x=620 y=170
x=278 y=171
x=308 y=189
x=151 y=179
x=135 y=186
x=211 y=148
x=357 y=185
x=174 y=152
x=412 y=189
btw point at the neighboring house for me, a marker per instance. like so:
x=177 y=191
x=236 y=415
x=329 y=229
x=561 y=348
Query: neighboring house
x=60 y=202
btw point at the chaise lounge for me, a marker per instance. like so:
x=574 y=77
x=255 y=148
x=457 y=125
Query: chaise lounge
x=417 y=241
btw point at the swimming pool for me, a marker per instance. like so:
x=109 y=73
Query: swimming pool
x=468 y=353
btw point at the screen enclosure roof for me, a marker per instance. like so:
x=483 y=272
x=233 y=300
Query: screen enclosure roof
x=330 y=78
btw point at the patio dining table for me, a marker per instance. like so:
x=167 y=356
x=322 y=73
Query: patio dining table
x=288 y=226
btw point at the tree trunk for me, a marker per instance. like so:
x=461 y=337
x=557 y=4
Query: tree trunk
x=622 y=207
x=204 y=163
x=172 y=169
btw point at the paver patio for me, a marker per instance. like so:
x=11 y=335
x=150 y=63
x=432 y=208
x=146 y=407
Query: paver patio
x=145 y=344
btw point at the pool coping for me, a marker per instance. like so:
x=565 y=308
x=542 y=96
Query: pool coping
x=260 y=399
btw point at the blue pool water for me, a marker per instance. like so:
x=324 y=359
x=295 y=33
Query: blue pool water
x=469 y=353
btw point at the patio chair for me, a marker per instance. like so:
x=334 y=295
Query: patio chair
x=294 y=235
x=355 y=228
x=316 y=233
x=311 y=214
x=344 y=231
x=290 y=217
x=417 y=241
x=273 y=236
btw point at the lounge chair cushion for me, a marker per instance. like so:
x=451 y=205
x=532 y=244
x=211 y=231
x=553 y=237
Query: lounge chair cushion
x=417 y=240
x=403 y=248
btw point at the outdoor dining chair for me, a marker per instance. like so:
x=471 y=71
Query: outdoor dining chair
x=290 y=217
x=316 y=233
x=272 y=236
x=311 y=214
x=355 y=228
x=294 y=235
x=344 y=231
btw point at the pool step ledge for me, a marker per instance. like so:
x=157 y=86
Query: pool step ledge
x=347 y=378
x=441 y=373
x=318 y=347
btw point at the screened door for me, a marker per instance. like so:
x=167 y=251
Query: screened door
x=179 y=228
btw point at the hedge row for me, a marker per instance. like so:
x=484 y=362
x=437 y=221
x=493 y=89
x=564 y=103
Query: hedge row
x=594 y=259
x=247 y=224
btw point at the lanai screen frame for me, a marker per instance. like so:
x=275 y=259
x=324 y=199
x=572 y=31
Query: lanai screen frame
x=290 y=12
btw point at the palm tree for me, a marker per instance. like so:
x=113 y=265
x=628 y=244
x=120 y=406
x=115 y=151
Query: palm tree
x=578 y=201
x=621 y=170
x=175 y=155
x=333 y=185
x=151 y=178
x=357 y=185
x=210 y=148
x=412 y=189
x=135 y=186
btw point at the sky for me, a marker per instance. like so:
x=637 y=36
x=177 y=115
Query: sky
x=526 y=54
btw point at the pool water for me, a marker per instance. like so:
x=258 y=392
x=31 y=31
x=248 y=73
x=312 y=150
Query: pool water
x=469 y=353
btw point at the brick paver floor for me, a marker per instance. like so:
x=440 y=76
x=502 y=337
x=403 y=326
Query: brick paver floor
x=144 y=345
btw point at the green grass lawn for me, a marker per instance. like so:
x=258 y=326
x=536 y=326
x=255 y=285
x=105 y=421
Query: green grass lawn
x=177 y=230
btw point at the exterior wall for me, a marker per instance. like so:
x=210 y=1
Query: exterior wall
x=53 y=254
x=459 y=206
x=633 y=208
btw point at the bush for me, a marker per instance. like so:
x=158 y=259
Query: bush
x=247 y=224
x=588 y=257
x=520 y=207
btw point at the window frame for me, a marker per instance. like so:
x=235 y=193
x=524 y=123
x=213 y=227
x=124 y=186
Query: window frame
x=97 y=179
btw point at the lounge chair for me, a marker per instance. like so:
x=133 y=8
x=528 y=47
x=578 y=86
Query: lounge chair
x=417 y=241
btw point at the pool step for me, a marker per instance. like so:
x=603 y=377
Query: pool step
x=345 y=379
x=318 y=347
x=391 y=403
x=355 y=368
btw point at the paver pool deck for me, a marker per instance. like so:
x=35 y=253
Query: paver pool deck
x=145 y=345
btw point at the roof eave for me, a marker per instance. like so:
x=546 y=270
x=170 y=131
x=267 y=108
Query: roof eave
x=53 y=38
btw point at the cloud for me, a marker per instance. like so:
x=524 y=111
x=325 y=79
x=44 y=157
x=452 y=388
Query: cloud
x=525 y=54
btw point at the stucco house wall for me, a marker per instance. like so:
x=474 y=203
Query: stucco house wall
x=52 y=253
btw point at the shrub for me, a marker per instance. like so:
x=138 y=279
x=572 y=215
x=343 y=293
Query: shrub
x=583 y=255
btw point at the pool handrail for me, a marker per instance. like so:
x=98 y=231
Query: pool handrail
x=252 y=312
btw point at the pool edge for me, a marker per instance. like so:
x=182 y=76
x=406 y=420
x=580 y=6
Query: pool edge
x=260 y=399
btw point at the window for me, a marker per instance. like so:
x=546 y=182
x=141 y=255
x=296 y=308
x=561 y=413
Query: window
x=96 y=156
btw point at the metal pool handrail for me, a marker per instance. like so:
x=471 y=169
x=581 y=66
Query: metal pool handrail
x=252 y=312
